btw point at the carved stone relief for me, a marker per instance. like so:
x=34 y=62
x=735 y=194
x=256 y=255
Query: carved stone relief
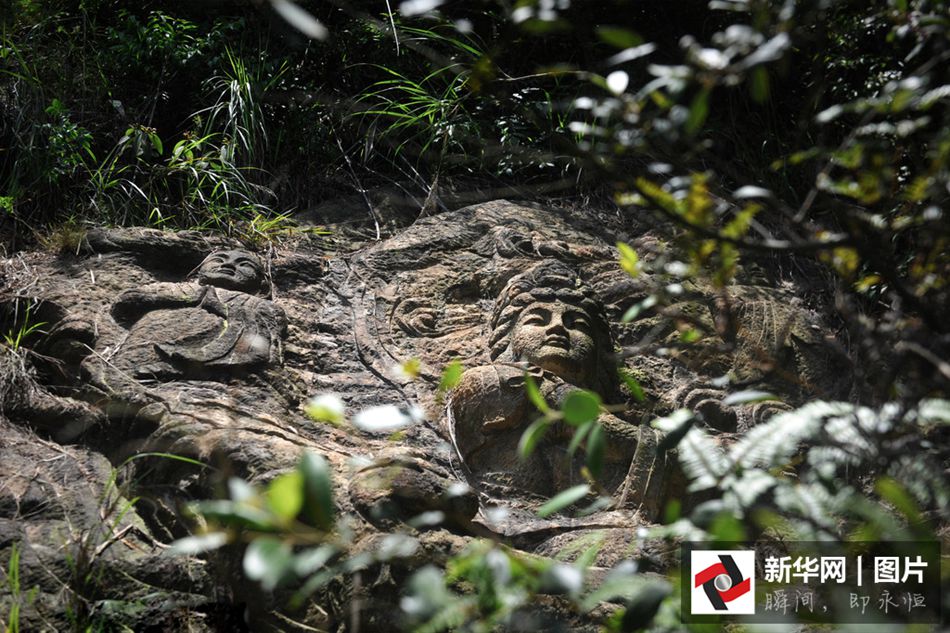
x=180 y=344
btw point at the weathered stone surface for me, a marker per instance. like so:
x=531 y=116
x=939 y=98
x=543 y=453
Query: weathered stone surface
x=181 y=344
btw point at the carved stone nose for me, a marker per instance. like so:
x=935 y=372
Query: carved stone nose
x=557 y=323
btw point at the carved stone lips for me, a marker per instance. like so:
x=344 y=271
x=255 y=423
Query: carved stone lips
x=557 y=340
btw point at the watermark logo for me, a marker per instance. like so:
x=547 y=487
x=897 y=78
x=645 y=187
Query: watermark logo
x=723 y=582
x=820 y=582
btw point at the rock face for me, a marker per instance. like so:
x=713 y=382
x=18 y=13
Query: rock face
x=159 y=344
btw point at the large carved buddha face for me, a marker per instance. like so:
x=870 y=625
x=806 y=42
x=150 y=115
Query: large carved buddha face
x=556 y=337
x=232 y=270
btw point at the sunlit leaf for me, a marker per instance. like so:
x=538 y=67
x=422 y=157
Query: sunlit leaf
x=748 y=396
x=301 y=19
x=410 y=368
x=630 y=54
x=310 y=560
x=531 y=436
x=690 y=335
x=674 y=427
x=580 y=406
x=198 y=544
x=285 y=495
x=240 y=490
x=702 y=459
x=634 y=311
x=327 y=407
x=629 y=260
x=561 y=578
x=751 y=191
x=656 y=195
x=396 y=546
x=579 y=436
x=268 y=560
x=418 y=7
x=534 y=394
x=617 y=81
x=934 y=410
x=386 y=418
x=563 y=500
x=235 y=514
x=450 y=376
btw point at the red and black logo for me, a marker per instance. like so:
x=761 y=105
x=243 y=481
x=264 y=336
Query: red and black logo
x=722 y=582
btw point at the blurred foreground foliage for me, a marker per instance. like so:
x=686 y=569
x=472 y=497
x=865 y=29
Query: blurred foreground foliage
x=807 y=138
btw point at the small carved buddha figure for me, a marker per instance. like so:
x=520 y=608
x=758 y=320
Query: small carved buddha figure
x=203 y=328
x=547 y=325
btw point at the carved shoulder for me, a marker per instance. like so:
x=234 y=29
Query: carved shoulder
x=135 y=302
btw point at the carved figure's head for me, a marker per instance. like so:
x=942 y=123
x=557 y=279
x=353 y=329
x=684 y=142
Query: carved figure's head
x=547 y=318
x=233 y=270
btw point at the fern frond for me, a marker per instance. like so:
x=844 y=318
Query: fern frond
x=702 y=460
x=773 y=443
x=749 y=486
x=813 y=502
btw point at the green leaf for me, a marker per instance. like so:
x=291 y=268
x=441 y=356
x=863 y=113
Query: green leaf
x=156 y=143
x=895 y=494
x=634 y=311
x=285 y=495
x=327 y=407
x=698 y=112
x=309 y=561
x=618 y=37
x=563 y=499
x=198 y=544
x=726 y=528
x=674 y=428
x=629 y=260
x=411 y=368
x=579 y=436
x=580 y=406
x=596 y=447
x=318 y=490
x=703 y=461
x=690 y=336
x=748 y=396
x=451 y=376
x=759 y=84
x=531 y=437
x=239 y=490
x=934 y=410
x=600 y=503
x=633 y=386
x=236 y=514
x=268 y=560
x=545 y=27
x=534 y=394
x=672 y=511
x=643 y=607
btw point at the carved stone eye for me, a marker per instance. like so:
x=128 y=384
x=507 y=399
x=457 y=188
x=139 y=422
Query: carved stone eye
x=538 y=316
x=576 y=321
